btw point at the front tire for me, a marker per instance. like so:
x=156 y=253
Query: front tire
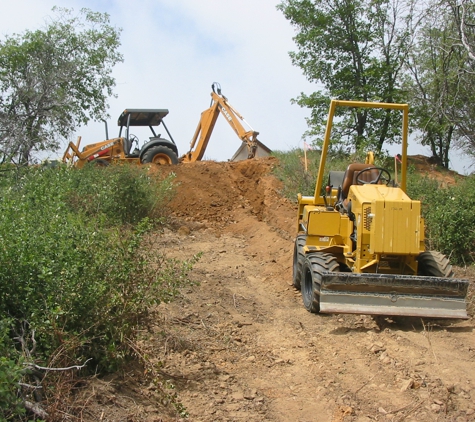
x=160 y=155
x=299 y=258
x=313 y=266
x=434 y=264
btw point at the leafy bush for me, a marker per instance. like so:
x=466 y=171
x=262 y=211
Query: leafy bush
x=78 y=266
x=10 y=375
x=448 y=213
x=420 y=186
x=450 y=220
x=121 y=194
x=291 y=170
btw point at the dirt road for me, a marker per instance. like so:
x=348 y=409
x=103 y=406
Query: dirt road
x=239 y=346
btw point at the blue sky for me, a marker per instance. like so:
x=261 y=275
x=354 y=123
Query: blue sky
x=175 y=49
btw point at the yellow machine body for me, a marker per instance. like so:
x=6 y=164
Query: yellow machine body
x=155 y=150
x=109 y=151
x=360 y=246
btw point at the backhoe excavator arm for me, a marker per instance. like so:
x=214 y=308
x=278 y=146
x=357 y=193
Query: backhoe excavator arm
x=219 y=104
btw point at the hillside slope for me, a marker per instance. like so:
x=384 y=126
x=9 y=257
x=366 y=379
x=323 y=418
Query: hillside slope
x=239 y=346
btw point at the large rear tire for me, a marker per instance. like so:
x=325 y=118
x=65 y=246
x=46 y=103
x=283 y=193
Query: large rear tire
x=99 y=162
x=434 y=264
x=299 y=258
x=313 y=266
x=160 y=155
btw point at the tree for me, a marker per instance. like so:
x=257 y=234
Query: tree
x=432 y=90
x=53 y=80
x=355 y=50
x=441 y=88
x=463 y=10
x=464 y=15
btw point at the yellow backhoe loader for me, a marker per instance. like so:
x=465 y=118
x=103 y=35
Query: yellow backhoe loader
x=360 y=245
x=219 y=104
x=126 y=148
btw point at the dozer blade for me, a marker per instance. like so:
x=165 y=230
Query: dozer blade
x=385 y=294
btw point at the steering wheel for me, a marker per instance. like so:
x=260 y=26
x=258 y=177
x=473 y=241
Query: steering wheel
x=132 y=139
x=383 y=175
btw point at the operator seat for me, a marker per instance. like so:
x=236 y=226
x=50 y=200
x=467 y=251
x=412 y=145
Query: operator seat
x=351 y=176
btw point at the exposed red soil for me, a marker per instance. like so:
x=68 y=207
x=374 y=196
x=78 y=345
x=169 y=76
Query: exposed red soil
x=425 y=165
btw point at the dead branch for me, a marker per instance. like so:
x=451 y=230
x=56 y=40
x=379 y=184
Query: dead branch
x=365 y=384
x=21 y=339
x=427 y=336
x=33 y=387
x=417 y=405
x=36 y=409
x=45 y=368
x=392 y=412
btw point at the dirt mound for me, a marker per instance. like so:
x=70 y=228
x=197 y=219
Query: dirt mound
x=230 y=196
x=426 y=166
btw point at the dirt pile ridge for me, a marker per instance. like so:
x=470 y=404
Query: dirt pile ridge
x=239 y=346
x=426 y=166
x=230 y=196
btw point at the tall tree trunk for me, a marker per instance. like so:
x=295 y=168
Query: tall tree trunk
x=447 y=143
x=361 y=118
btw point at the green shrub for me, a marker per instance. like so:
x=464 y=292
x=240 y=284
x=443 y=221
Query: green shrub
x=420 y=186
x=448 y=213
x=66 y=269
x=10 y=375
x=291 y=171
x=121 y=194
x=450 y=220
x=78 y=267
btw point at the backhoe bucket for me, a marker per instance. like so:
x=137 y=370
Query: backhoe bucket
x=386 y=294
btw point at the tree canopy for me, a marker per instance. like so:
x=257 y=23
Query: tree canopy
x=433 y=83
x=354 y=50
x=53 y=80
x=389 y=51
x=441 y=79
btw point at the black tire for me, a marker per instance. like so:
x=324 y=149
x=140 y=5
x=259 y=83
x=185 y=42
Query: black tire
x=434 y=264
x=160 y=155
x=299 y=258
x=313 y=266
x=99 y=162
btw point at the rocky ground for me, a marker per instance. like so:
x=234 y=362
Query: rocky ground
x=239 y=345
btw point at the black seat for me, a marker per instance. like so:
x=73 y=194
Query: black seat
x=335 y=179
